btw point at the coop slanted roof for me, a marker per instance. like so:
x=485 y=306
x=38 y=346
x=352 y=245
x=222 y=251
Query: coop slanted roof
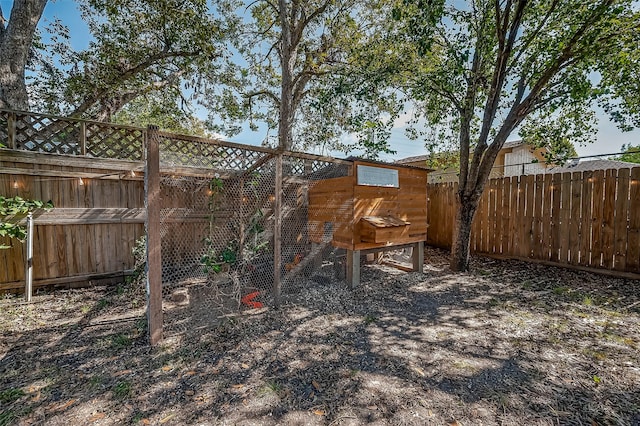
x=385 y=221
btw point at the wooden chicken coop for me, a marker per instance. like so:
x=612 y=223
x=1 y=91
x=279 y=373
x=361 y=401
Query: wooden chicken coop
x=376 y=207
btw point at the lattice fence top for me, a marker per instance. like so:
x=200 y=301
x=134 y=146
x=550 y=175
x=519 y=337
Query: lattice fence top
x=56 y=135
x=68 y=136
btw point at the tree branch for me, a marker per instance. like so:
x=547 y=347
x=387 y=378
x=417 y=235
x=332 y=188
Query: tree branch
x=525 y=45
x=266 y=93
x=497 y=84
x=125 y=76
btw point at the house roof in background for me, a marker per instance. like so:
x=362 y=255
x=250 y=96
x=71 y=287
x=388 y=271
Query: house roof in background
x=590 y=165
x=417 y=158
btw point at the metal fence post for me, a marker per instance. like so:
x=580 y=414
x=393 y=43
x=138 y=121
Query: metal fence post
x=28 y=274
x=154 y=257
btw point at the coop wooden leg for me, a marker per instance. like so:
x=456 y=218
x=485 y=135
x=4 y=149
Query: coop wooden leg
x=353 y=268
x=418 y=256
x=317 y=253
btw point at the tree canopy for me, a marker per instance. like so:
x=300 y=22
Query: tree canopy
x=299 y=62
x=630 y=154
x=492 y=67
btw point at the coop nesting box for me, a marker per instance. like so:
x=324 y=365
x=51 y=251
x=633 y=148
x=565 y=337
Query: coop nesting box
x=377 y=206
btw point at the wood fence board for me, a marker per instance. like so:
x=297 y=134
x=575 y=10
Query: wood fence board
x=547 y=209
x=444 y=211
x=529 y=217
x=51 y=261
x=608 y=217
x=621 y=220
x=523 y=243
x=518 y=214
x=575 y=219
x=513 y=214
x=492 y=216
x=484 y=223
x=556 y=217
x=538 y=211
x=586 y=218
x=506 y=218
x=565 y=215
x=61 y=251
x=633 y=246
x=596 y=227
x=476 y=230
x=17 y=255
x=498 y=209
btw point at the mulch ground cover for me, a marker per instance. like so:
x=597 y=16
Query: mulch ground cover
x=509 y=343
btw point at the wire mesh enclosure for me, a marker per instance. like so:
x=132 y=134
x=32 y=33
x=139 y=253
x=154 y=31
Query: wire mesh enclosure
x=218 y=218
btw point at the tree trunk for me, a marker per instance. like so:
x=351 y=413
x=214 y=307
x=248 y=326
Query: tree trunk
x=287 y=64
x=15 y=42
x=467 y=207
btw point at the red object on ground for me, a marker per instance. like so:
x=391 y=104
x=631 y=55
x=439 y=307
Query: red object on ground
x=248 y=300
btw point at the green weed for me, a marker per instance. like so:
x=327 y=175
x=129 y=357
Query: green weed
x=561 y=290
x=122 y=390
x=95 y=382
x=7 y=417
x=270 y=388
x=120 y=341
x=10 y=395
x=369 y=319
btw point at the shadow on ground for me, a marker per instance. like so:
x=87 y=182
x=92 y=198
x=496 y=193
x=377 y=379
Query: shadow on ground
x=509 y=343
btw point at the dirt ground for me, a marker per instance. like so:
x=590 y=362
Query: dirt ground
x=508 y=344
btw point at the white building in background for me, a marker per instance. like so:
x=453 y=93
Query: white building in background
x=514 y=159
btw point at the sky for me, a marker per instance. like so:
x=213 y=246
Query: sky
x=609 y=138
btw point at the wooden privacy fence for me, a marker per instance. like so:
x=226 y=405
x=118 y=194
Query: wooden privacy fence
x=89 y=235
x=93 y=174
x=584 y=219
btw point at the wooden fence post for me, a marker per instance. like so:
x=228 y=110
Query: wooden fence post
x=154 y=257
x=11 y=131
x=83 y=138
x=277 y=233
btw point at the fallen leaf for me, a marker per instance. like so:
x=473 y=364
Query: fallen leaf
x=122 y=373
x=166 y=419
x=189 y=392
x=245 y=366
x=96 y=417
x=319 y=412
x=166 y=368
x=238 y=386
x=315 y=385
x=190 y=373
x=419 y=370
x=455 y=423
x=145 y=421
x=66 y=405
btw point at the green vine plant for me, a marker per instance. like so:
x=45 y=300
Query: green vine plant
x=238 y=253
x=12 y=211
x=211 y=261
